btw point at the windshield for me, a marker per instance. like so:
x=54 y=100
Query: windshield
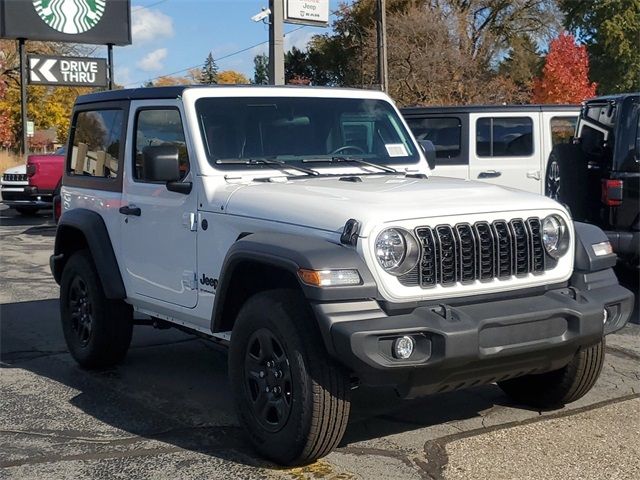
x=296 y=130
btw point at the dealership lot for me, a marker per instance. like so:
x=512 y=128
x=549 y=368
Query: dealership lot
x=167 y=411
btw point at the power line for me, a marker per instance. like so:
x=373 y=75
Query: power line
x=142 y=7
x=237 y=52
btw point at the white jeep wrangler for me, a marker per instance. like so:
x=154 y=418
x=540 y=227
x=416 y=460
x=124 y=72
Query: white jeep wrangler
x=299 y=227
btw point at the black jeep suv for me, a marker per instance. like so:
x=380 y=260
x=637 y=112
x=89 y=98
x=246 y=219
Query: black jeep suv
x=598 y=175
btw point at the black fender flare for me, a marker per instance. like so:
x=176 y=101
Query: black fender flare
x=292 y=252
x=91 y=225
x=586 y=260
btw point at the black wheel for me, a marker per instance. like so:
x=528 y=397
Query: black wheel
x=97 y=330
x=292 y=399
x=27 y=211
x=556 y=388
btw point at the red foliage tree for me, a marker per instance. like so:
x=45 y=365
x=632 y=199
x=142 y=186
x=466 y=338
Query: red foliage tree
x=565 y=76
x=6 y=131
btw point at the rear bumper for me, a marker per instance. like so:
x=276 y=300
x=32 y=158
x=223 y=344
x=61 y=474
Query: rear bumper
x=465 y=345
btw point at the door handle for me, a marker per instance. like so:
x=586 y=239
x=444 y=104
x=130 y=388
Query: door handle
x=130 y=210
x=489 y=174
x=535 y=174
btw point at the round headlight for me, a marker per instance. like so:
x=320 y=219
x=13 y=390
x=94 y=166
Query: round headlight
x=397 y=251
x=555 y=236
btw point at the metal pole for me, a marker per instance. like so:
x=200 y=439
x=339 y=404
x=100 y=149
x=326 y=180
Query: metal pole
x=381 y=30
x=23 y=97
x=110 y=61
x=276 y=43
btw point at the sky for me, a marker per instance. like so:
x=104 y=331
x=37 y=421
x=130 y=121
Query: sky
x=171 y=36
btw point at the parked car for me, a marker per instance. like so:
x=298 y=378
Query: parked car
x=506 y=145
x=598 y=175
x=299 y=227
x=16 y=193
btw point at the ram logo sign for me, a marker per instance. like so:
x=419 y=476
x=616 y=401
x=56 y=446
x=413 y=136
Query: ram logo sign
x=70 y=16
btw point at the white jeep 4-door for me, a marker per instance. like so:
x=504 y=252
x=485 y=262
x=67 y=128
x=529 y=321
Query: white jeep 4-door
x=300 y=228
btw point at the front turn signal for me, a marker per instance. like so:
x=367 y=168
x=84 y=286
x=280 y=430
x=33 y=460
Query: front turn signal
x=329 y=278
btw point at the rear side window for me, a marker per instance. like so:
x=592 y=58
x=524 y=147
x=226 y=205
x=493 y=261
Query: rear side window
x=504 y=137
x=159 y=126
x=444 y=132
x=96 y=143
x=562 y=129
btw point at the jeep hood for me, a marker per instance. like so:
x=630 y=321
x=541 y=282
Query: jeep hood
x=326 y=203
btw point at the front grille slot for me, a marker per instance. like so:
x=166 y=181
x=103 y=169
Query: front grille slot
x=483 y=251
x=14 y=177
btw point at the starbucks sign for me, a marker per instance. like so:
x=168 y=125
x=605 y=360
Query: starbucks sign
x=70 y=16
x=76 y=21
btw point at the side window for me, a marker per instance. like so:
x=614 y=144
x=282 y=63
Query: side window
x=96 y=143
x=562 y=129
x=504 y=137
x=159 y=126
x=444 y=132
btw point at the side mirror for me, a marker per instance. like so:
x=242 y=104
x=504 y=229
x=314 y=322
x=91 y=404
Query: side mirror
x=429 y=150
x=160 y=163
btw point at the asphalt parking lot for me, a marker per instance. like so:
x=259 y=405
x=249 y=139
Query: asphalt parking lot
x=167 y=411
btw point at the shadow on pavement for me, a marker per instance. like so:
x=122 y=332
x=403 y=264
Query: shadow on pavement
x=173 y=387
x=10 y=218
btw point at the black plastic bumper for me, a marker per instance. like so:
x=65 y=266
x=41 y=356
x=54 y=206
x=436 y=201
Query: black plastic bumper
x=465 y=345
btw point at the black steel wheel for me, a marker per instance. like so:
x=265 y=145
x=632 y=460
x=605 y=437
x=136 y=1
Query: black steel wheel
x=80 y=308
x=97 y=330
x=268 y=380
x=291 y=397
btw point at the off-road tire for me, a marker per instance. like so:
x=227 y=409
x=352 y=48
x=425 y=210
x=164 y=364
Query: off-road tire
x=27 y=211
x=110 y=321
x=320 y=388
x=559 y=387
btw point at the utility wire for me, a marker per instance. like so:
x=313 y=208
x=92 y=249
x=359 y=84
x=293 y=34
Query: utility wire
x=142 y=7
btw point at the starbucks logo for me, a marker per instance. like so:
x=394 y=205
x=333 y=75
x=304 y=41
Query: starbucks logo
x=70 y=16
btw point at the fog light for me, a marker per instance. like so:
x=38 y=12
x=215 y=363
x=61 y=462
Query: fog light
x=403 y=347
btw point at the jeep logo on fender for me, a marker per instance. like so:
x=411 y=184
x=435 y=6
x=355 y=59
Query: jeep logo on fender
x=70 y=16
x=211 y=282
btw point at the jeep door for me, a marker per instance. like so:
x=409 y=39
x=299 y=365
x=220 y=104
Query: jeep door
x=158 y=225
x=506 y=150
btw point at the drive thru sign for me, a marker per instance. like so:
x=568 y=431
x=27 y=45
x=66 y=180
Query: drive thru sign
x=71 y=71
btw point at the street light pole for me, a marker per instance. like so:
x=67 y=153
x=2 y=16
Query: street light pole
x=276 y=42
x=23 y=96
x=381 y=30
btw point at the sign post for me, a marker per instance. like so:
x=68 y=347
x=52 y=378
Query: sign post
x=276 y=43
x=23 y=97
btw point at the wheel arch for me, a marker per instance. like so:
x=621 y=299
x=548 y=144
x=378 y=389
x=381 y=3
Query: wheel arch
x=266 y=261
x=81 y=228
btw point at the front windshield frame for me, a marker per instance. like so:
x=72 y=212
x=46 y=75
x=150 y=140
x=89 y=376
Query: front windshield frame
x=327 y=117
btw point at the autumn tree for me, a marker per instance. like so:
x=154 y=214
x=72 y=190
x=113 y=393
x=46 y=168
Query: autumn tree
x=565 y=76
x=6 y=127
x=209 y=75
x=261 y=69
x=610 y=29
x=231 y=77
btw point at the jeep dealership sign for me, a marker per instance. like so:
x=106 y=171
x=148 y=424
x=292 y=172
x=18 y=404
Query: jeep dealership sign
x=76 y=21
x=76 y=71
x=307 y=12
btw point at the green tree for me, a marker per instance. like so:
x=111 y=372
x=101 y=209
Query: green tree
x=611 y=31
x=209 y=75
x=261 y=69
x=522 y=64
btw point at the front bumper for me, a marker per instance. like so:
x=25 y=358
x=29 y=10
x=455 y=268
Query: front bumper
x=25 y=197
x=469 y=344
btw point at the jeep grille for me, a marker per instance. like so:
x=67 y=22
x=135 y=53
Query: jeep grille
x=483 y=251
x=14 y=177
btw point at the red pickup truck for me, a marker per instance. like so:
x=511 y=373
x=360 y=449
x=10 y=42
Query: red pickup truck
x=44 y=173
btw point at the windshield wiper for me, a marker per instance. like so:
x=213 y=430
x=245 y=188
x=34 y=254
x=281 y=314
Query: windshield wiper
x=265 y=161
x=384 y=168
